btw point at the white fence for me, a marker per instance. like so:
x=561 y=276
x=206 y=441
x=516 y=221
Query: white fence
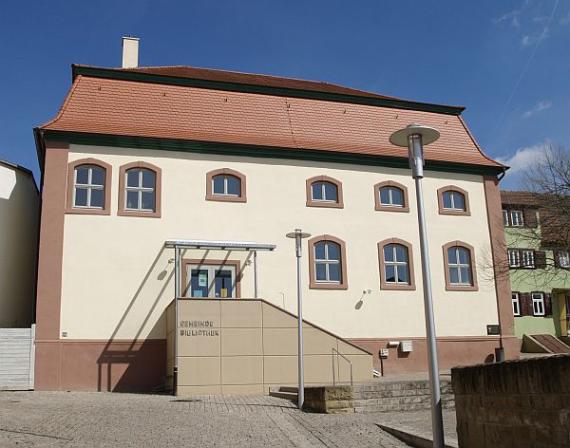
x=17 y=358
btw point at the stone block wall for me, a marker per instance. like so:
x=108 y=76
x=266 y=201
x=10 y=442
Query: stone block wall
x=329 y=399
x=523 y=403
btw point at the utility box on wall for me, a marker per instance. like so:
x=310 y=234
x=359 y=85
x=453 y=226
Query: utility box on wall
x=406 y=346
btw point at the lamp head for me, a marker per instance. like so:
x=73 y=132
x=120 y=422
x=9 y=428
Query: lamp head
x=428 y=134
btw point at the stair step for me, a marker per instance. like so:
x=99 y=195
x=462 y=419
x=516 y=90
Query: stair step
x=293 y=389
x=287 y=395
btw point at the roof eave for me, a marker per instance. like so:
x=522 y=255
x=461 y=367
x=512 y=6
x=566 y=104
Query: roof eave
x=395 y=103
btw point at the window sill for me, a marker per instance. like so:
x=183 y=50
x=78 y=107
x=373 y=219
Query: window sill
x=389 y=208
x=340 y=286
x=87 y=211
x=394 y=287
x=325 y=204
x=454 y=212
x=139 y=214
x=223 y=198
x=449 y=287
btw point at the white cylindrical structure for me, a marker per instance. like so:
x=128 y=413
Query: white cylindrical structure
x=130 y=52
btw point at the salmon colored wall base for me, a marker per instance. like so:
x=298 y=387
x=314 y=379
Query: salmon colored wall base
x=120 y=366
x=452 y=351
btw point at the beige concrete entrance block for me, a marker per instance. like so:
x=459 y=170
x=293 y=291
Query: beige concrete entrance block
x=242 y=341
x=317 y=342
x=348 y=349
x=318 y=369
x=240 y=313
x=242 y=370
x=280 y=369
x=200 y=345
x=280 y=341
x=199 y=371
x=207 y=309
x=274 y=318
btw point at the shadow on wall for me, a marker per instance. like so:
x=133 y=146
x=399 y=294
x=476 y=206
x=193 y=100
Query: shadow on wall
x=138 y=365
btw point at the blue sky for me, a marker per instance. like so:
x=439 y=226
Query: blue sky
x=505 y=61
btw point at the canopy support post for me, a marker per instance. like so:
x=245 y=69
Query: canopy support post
x=255 y=274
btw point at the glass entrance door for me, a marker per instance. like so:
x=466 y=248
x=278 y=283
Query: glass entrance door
x=211 y=281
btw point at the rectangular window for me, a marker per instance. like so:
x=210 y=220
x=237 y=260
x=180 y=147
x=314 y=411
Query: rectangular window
x=538 y=304
x=516 y=304
x=505 y=218
x=527 y=259
x=210 y=281
x=564 y=259
x=514 y=258
x=517 y=219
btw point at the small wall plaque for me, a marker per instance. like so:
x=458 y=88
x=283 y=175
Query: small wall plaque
x=493 y=330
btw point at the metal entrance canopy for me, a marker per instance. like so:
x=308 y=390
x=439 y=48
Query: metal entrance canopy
x=219 y=245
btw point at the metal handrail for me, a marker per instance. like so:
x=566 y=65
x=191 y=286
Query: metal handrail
x=335 y=351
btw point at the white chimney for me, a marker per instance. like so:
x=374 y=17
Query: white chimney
x=130 y=52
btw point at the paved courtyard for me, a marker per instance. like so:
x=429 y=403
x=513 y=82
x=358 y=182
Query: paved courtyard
x=84 y=419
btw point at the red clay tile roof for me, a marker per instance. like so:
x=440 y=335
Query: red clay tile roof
x=145 y=109
x=527 y=198
x=182 y=71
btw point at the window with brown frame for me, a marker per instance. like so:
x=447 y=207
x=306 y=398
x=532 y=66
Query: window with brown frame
x=140 y=190
x=226 y=185
x=396 y=264
x=89 y=185
x=327 y=263
x=453 y=200
x=459 y=265
x=324 y=191
x=391 y=196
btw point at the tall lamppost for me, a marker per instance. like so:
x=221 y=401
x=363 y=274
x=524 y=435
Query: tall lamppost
x=298 y=234
x=414 y=137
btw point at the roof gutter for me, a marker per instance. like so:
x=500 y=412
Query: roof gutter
x=110 y=73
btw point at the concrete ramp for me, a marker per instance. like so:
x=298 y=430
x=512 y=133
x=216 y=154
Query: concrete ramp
x=246 y=346
x=544 y=343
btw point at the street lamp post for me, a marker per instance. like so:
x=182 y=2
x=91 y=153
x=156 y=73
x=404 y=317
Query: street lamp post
x=414 y=137
x=298 y=235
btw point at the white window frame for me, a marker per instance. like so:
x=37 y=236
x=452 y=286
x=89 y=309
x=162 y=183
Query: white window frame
x=323 y=191
x=226 y=193
x=528 y=259
x=139 y=189
x=458 y=267
x=514 y=256
x=516 y=218
x=452 y=194
x=395 y=264
x=327 y=262
x=516 y=302
x=390 y=202
x=505 y=218
x=89 y=186
x=566 y=259
x=211 y=269
x=538 y=308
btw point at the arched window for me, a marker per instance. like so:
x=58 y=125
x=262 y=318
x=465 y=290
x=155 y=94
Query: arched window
x=459 y=261
x=396 y=264
x=89 y=183
x=139 y=190
x=324 y=191
x=225 y=185
x=327 y=258
x=391 y=196
x=453 y=201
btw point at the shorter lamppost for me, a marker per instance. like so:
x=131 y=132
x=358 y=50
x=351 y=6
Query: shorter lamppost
x=298 y=234
x=414 y=137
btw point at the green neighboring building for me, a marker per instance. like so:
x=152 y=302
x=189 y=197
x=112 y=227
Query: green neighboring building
x=539 y=269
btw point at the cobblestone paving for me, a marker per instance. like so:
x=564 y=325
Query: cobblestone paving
x=83 y=419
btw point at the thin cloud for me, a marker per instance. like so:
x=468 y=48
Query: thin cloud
x=565 y=20
x=521 y=162
x=513 y=17
x=538 y=107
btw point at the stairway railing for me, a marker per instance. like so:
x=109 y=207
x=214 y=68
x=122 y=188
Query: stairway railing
x=337 y=353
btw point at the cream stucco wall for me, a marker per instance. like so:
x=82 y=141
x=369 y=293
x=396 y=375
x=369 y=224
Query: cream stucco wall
x=19 y=207
x=118 y=279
